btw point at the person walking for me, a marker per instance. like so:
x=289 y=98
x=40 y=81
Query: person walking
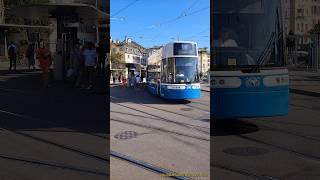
x=30 y=56
x=90 y=61
x=137 y=81
x=13 y=52
x=119 y=78
x=80 y=68
x=102 y=53
x=45 y=61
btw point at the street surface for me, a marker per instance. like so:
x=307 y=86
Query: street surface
x=273 y=148
x=55 y=133
x=167 y=134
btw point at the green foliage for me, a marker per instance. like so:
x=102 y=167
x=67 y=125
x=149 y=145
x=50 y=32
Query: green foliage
x=116 y=60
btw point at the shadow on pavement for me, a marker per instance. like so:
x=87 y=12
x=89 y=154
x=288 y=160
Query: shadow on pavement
x=26 y=105
x=232 y=127
x=119 y=94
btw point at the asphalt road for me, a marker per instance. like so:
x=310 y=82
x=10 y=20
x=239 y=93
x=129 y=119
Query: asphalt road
x=270 y=148
x=55 y=133
x=170 y=135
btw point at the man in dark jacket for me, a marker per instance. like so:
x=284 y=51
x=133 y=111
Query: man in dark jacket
x=12 y=52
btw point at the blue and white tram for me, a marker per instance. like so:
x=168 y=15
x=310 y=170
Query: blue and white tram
x=249 y=77
x=179 y=76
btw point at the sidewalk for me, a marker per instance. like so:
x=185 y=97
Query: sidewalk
x=55 y=125
x=83 y=110
x=305 y=82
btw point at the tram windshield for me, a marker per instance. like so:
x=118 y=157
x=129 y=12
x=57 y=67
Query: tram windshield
x=180 y=70
x=186 y=70
x=247 y=33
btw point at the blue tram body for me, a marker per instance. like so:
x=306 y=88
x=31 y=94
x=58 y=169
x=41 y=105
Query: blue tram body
x=249 y=77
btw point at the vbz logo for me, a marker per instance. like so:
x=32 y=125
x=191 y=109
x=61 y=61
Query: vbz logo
x=253 y=82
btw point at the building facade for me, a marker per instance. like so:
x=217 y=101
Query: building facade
x=204 y=61
x=133 y=55
x=154 y=55
x=300 y=17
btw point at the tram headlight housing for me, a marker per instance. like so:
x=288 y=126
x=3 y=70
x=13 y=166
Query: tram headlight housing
x=225 y=82
x=278 y=80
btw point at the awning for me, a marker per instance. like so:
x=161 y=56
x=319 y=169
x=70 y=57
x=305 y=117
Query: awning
x=23 y=26
x=45 y=10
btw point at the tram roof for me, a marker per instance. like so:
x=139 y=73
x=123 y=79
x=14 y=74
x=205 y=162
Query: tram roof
x=167 y=50
x=191 y=42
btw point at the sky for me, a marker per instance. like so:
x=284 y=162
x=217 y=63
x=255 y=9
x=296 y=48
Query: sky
x=157 y=22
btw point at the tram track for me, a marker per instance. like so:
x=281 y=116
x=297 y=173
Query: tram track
x=176 y=113
x=161 y=129
x=148 y=166
x=52 y=164
x=243 y=172
x=186 y=105
x=282 y=148
x=51 y=143
x=186 y=125
x=294 y=133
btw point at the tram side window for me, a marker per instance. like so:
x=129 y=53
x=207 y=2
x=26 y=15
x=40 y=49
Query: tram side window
x=164 y=71
x=170 y=71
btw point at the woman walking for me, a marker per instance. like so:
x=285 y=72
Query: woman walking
x=45 y=60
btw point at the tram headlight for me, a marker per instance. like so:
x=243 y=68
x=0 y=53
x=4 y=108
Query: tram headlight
x=280 y=80
x=225 y=82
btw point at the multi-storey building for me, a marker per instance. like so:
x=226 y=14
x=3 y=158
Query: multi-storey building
x=300 y=16
x=132 y=54
x=154 y=55
x=204 y=61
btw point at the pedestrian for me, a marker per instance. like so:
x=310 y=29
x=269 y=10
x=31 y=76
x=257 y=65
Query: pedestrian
x=119 y=78
x=30 y=56
x=45 y=61
x=137 y=80
x=90 y=61
x=114 y=79
x=78 y=65
x=12 y=52
x=102 y=53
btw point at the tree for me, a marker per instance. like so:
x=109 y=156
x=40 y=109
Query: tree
x=116 y=60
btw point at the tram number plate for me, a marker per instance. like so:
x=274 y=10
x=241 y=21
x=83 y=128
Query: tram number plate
x=232 y=61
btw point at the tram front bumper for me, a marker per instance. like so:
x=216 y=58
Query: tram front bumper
x=249 y=104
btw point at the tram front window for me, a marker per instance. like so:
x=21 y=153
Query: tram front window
x=186 y=70
x=247 y=33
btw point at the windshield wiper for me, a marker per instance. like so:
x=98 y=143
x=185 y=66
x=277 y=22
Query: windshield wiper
x=264 y=54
